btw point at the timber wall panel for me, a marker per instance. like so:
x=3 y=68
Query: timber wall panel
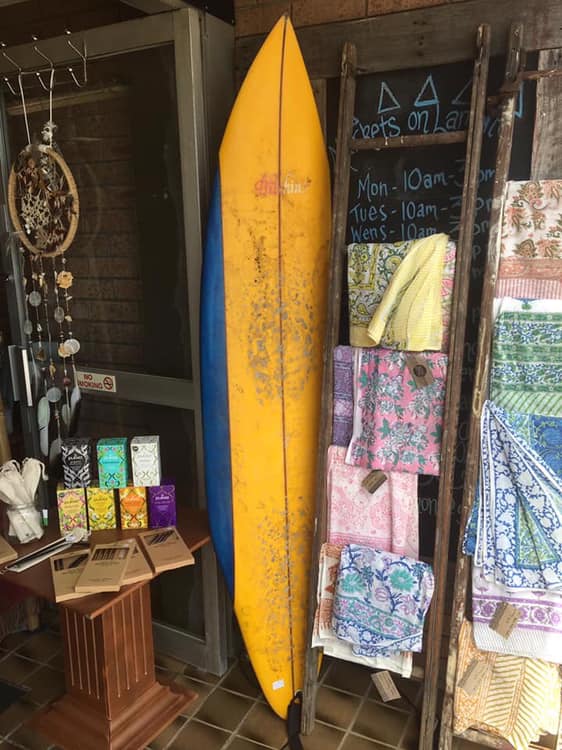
x=422 y=37
x=258 y=16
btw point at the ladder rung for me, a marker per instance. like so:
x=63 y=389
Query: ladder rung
x=408 y=141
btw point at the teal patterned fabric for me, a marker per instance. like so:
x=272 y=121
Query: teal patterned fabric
x=543 y=434
x=515 y=533
x=527 y=362
x=381 y=600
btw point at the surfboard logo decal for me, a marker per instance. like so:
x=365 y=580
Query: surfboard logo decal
x=274 y=185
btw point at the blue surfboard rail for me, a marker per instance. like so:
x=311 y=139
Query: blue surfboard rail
x=214 y=392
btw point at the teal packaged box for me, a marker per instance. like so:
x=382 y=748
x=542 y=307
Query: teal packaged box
x=112 y=462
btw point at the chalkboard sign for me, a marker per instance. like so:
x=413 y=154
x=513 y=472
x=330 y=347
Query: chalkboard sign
x=405 y=194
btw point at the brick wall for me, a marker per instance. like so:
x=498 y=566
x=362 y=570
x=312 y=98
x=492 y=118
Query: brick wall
x=258 y=16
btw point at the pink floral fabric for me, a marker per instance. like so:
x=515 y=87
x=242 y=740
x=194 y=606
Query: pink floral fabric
x=386 y=520
x=529 y=288
x=397 y=425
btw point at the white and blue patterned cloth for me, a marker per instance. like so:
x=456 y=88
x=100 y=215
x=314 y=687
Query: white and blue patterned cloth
x=515 y=532
x=381 y=600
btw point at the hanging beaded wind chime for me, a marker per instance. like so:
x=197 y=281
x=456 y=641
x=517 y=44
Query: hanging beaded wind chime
x=44 y=208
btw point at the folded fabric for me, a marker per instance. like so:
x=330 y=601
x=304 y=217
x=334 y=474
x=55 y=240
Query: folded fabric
x=528 y=287
x=342 y=426
x=538 y=633
x=370 y=270
x=381 y=600
x=516 y=698
x=409 y=315
x=525 y=305
x=323 y=635
x=386 y=519
x=543 y=435
x=526 y=373
x=515 y=531
x=397 y=425
x=532 y=220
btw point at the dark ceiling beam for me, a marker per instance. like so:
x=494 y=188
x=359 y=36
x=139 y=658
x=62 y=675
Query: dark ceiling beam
x=155 y=6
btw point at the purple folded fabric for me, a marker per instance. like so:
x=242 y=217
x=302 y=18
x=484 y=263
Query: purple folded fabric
x=342 y=427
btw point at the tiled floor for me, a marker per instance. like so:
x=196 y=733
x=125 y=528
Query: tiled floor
x=230 y=712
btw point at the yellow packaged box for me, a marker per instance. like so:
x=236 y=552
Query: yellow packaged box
x=138 y=568
x=134 y=511
x=7 y=552
x=101 y=508
x=166 y=549
x=105 y=568
x=71 y=504
x=66 y=570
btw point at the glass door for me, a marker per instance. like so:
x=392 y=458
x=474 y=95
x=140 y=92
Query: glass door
x=136 y=138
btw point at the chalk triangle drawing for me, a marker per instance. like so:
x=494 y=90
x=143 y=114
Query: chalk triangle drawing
x=387 y=100
x=427 y=94
x=461 y=98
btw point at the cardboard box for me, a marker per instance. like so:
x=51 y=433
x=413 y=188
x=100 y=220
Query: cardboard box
x=76 y=455
x=132 y=504
x=101 y=508
x=112 y=462
x=71 y=505
x=165 y=549
x=105 y=569
x=7 y=552
x=145 y=460
x=162 y=505
x=138 y=568
x=66 y=570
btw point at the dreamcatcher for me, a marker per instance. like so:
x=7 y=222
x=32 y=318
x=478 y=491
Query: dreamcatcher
x=44 y=207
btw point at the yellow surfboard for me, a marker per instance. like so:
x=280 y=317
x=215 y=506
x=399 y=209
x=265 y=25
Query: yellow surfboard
x=263 y=315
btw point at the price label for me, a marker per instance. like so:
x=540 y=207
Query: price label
x=505 y=619
x=386 y=687
x=373 y=480
x=473 y=676
x=419 y=370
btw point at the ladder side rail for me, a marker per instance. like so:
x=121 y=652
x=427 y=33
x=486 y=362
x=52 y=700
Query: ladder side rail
x=454 y=384
x=503 y=158
x=337 y=260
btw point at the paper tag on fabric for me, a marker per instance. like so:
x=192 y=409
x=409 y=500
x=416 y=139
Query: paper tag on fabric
x=505 y=619
x=374 y=480
x=473 y=676
x=419 y=370
x=386 y=687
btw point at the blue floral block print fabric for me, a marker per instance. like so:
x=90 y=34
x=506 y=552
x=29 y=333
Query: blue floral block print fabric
x=515 y=532
x=381 y=600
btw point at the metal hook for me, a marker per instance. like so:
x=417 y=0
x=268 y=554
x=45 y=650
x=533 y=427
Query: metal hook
x=76 y=81
x=38 y=76
x=24 y=108
x=9 y=86
x=51 y=64
x=82 y=55
x=8 y=58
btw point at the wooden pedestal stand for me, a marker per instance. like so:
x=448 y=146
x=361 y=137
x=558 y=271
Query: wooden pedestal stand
x=113 y=700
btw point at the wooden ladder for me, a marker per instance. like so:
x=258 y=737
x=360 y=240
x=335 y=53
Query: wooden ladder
x=514 y=77
x=345 y=147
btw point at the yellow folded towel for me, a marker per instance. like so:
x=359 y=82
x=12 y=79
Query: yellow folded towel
x=410 y=315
